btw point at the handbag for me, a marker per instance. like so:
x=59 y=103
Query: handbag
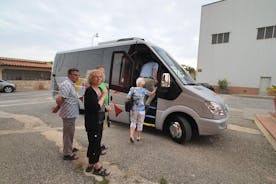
x=129 y=104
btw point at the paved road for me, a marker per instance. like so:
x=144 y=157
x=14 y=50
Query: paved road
x=31 y=138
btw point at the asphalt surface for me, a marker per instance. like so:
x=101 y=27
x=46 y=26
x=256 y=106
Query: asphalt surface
x=30 y=140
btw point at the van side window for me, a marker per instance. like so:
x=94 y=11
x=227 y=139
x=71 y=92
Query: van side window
x=89 y=59
x=59 y=60
x=69 y=60
x=121 y=72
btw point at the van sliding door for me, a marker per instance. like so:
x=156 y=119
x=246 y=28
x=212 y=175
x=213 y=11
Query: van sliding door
x=119 y=84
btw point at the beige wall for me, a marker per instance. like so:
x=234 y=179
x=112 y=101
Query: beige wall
x=244 y=60
x=32 y=85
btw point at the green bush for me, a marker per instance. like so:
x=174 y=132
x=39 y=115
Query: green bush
x=272 y=89
x=223 y=84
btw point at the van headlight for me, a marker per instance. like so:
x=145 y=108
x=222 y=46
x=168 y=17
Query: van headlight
x=215 y=108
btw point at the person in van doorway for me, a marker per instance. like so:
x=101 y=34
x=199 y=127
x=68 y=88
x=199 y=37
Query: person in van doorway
x=149 y=73
x=103 y=87
x=94 y=116
x=137 y=114
x=68 y=107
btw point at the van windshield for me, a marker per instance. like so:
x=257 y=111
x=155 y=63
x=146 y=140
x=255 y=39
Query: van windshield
x=180 y=72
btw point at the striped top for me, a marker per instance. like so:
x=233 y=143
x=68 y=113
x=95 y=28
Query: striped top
x=70 y=107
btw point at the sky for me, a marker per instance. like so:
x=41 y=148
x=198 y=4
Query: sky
x=37 y=29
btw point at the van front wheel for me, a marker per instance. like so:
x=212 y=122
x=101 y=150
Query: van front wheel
x=179 y=129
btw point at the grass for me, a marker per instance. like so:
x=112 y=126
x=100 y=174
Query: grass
x=163 y=181
x=79 y=166
x=104 y=181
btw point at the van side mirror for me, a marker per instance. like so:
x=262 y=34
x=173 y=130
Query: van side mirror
x=166 y=80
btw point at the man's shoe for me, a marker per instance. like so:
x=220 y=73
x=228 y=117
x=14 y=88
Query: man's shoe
x=70 y=157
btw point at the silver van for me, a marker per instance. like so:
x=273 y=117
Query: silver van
x=181 y=107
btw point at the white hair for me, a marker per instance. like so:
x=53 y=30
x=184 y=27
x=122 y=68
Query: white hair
x=140 y=82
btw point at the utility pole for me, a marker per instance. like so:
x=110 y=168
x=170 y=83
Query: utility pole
x=94 y=41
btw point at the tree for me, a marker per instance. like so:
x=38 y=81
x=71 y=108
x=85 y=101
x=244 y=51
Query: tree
x=190 y=69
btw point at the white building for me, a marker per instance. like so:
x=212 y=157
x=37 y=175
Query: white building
x=238 y=43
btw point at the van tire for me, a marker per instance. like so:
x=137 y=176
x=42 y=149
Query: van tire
x=179 y=129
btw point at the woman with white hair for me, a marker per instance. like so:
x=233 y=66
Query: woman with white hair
x=137 y=114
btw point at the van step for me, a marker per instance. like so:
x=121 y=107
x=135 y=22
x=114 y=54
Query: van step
x=149 y=116
x=149 y=124
x=153 y=107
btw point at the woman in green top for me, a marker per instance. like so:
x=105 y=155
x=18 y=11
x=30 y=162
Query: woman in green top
x=103 y=87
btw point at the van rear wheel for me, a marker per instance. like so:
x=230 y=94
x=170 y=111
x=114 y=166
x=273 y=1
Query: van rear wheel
x=179 y=129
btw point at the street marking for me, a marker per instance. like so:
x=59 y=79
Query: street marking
x=54 y=135
x=30 y=122
x=38 y=129
x=26 y=103
x=243 y=129
x=269 y=178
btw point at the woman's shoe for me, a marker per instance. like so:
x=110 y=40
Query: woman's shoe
x=89 y=168
x=101 y=172
x=131 y=139
x=138 y=139
x=103 y=152
x=75 y=150
x=104 y=147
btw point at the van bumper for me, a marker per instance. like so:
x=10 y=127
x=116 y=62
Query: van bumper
x=211 y=126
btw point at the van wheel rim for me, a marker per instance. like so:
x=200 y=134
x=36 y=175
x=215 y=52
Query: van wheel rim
x=175 y=130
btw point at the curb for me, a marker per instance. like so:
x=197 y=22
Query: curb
x=266 y=133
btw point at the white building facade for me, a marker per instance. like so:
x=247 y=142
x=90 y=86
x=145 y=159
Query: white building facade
x=238 y=43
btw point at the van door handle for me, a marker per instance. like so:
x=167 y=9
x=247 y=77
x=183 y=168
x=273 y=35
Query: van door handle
x=110 y=98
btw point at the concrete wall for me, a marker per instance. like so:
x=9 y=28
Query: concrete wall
x=22 y=85
x=244 y=59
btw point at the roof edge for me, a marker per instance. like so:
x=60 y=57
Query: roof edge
x=26 y=60
x=212 y=3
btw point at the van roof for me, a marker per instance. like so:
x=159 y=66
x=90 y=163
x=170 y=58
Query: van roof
x=112 y=43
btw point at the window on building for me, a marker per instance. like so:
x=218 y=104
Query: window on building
x=269 y=32
x=260 y=34
x=220 y=38
x=214 y=38
x=13 y=74
x=266 y=32
x=225 y=37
